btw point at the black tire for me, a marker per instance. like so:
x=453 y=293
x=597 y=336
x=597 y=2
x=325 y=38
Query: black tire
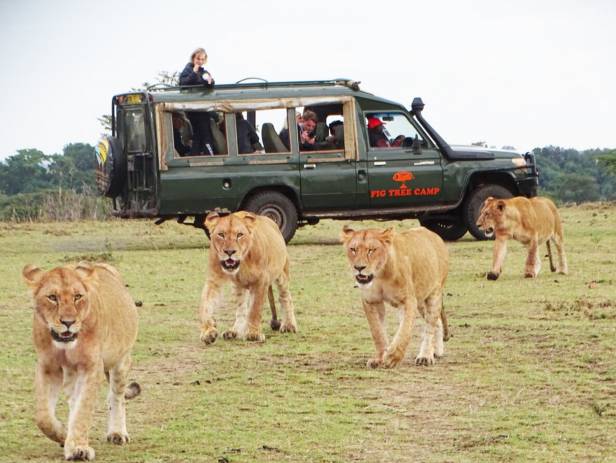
x=474 y=202
x=110 y=167
x=277 y=207
x=449 y=230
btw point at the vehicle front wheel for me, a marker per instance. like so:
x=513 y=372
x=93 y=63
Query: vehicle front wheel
x=474 y=203
x=449 y=230
x=277 y=207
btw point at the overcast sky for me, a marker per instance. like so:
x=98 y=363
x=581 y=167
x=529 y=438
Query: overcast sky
x=522 y=73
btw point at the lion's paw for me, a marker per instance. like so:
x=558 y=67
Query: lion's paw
x=255 y=336
x=288 y=327
x=424 y=361
x=493 y=276
x=392 y=360
x=229 y=334
x=118 y=438
x=78 y=453
x=374 y=362
x=529 y=275
x=209 y=336
x=275 y=324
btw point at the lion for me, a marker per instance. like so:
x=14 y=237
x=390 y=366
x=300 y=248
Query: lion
x=530 y=221
x=249 y=251
x=407 y=270
x=85 y=323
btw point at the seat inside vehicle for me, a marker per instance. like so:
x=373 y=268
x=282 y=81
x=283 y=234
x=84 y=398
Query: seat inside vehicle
x=220 y=142
x=271 y=140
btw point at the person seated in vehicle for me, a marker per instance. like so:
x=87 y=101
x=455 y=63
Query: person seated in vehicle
x=336 y=137
x=379 y=137
x=247 y=137
x=376 y=134
x=194 y=74
x=307 y=139
x=181 y=134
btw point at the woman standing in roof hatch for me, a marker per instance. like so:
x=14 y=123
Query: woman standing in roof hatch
x=195 y=74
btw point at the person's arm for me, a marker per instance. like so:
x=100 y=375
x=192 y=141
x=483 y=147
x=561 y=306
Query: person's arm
x=190 y=77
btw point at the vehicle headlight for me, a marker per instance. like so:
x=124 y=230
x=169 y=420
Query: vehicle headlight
x=519 y=162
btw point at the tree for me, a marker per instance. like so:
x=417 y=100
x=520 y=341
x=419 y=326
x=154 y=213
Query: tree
x=74 y=169
x=24 y=172
x=576 y=188
x=608 y=160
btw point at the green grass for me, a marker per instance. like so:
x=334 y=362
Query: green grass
x=529 y=375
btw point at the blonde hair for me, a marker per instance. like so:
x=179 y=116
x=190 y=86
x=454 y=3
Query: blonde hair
x=198 y=51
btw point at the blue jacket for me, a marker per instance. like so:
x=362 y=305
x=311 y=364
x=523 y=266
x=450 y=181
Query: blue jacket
x=190 y=77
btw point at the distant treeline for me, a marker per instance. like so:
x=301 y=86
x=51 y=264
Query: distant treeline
x=37 y=186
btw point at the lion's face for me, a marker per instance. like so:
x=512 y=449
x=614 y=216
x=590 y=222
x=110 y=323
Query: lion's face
x=61 y=300
x=367 y=251
x=231 y=238
x=491 y=216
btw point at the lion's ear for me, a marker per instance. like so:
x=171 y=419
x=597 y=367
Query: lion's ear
x=500 y=205
x=387 y=235
x=249 y=219
x=32 y=275
x=211 y=220
x=346 y=234
x=86 y=270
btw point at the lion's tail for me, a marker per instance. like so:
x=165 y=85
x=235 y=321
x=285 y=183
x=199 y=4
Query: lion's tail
x=446 y=334
x=274 y=323
x=132 y=391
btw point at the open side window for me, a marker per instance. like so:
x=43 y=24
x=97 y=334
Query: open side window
x=259 y=131
x=391 y=129
x=327 y=128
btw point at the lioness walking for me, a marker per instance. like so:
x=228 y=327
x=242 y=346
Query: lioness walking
x=249 y=251
x=85 y=323
x=532 y=222
x=408 y=271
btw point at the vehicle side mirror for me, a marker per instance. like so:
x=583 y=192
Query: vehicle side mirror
x=416 y=145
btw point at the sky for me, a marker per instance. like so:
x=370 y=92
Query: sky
x=524 y=73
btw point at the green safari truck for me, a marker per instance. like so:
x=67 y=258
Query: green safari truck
x=297 y=152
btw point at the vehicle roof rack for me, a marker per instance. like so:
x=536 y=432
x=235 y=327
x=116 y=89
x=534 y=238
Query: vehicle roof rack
x=352 y=84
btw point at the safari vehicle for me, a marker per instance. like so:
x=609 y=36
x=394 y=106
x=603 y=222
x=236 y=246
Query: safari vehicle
x=411 y=173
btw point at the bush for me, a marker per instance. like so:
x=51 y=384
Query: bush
x=59 y=205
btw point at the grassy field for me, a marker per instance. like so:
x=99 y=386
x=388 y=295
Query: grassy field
x=529 y=375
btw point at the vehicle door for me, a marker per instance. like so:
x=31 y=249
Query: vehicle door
x=328 y=171
x=404 y=168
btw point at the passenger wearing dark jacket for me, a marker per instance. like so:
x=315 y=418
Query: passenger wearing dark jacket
x=195 y=74
x=247 y=137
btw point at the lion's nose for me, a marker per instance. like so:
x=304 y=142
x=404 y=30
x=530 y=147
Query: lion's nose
x=229 y=252
x=359 y=268
x=67 y=323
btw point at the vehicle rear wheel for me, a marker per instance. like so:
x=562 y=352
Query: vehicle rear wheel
x=474 y=202
x=449 y=230
x=277 y=207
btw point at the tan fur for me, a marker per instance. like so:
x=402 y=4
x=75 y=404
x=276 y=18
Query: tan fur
x=530 y=221
x=407 y=270
x=255 y=254
x=104 y=317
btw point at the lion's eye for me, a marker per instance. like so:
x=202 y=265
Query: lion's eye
x=239 y=235
x=77 y=297
x=221 y=235
x=353 y=250
x=370 y=251
x=52 y=298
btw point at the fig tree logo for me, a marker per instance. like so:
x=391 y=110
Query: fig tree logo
x=403 y=176
x=101 y=151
